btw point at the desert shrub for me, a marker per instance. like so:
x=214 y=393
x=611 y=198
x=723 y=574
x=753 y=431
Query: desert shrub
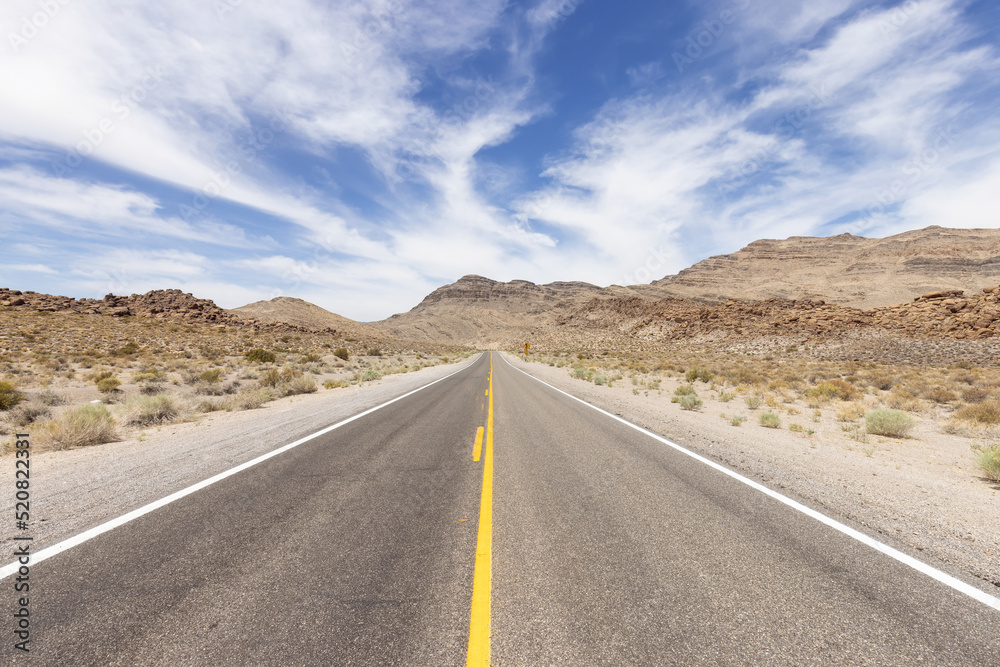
x=206 y=389
x=796 y=428
x=127 y=349
x=600 y=379
x=249 y=399
x=900 y=399
x=370 y=375
x=90 y=424
x=272 y=377
x=689 y=402
x=963 y=364
x=685 y=390
x=303 y=384
x=151 y=389
x=108 y=385
x=207 y=405
x=975 y=394
x=883 y=380
x=770 y=420
x=258 y=355
x=332 y=384
x=940 y=395
x=697 y=373
x=375 y=352
x=886 y=421
x=753 y=402
x=987 y=459
x=746 y=376
x=212 y=376
x=149 y=410
x=50 y=398
x=964 y=378
x=725 y=396
x=9 y=396
x=850 y=412
x=837 y=388
x=146 y=376
x=737 y=420
x=986 y=412
x=341 y=352
x=28 y=413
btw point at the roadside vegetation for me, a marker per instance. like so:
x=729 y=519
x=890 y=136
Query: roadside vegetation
x=858 y=402
x=76 y=380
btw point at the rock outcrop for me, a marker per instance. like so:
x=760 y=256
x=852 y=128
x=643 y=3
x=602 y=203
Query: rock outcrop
x=169 y=304
x=940 y=314
x=846 y=269
x=175 y=305
x=289 y=310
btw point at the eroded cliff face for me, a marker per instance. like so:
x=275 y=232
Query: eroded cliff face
x=171 y=304
x=489 y=313
x=801 y=286
x=289 y=310
x=522 y=295
x=846 y=269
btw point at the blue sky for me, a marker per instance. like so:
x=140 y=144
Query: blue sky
x=360 y=154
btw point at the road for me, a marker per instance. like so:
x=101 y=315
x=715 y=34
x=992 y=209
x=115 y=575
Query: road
x=603 y=547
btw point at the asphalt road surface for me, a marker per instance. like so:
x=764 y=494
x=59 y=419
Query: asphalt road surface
x=359 y=547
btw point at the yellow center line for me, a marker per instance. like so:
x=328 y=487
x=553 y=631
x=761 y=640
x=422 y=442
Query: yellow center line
x=479 y=624
x=478 y=448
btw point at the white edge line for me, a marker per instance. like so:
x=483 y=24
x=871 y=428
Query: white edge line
x=76 y=540
x=919 y=566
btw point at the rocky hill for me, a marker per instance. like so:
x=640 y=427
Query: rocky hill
x=283 y=313
x=169 y=304
x=805 y=283
x=846 y=269
x=488 y=313
x=289 y=310
x=942 y=314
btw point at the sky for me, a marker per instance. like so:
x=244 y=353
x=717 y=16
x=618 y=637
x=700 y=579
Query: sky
x=359 y=155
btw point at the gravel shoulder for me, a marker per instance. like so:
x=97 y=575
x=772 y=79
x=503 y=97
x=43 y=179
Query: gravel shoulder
x=74 y=490
x=920 y=494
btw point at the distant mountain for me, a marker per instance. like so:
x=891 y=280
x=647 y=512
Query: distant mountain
x=486 y=313
x=846 y=269
x=850 y=271
x=289 y=310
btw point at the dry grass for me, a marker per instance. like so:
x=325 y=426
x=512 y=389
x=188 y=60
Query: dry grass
x=986 y=412
x=988 y=460
x=9 y=396
x=770 y=420
x=150 y=410
x=889 y=422
x=299 y=385
x=28 y=413
x=851 y=412
x=79 y=427
x=251 y=399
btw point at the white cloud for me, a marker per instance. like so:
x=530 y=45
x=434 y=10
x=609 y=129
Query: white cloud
x=28 y=268
x=649 y=168
x=86 y=210
x=189 y=86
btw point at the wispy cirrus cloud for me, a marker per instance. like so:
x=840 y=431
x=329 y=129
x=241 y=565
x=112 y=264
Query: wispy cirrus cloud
x=331 y=149
x=808 y=147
